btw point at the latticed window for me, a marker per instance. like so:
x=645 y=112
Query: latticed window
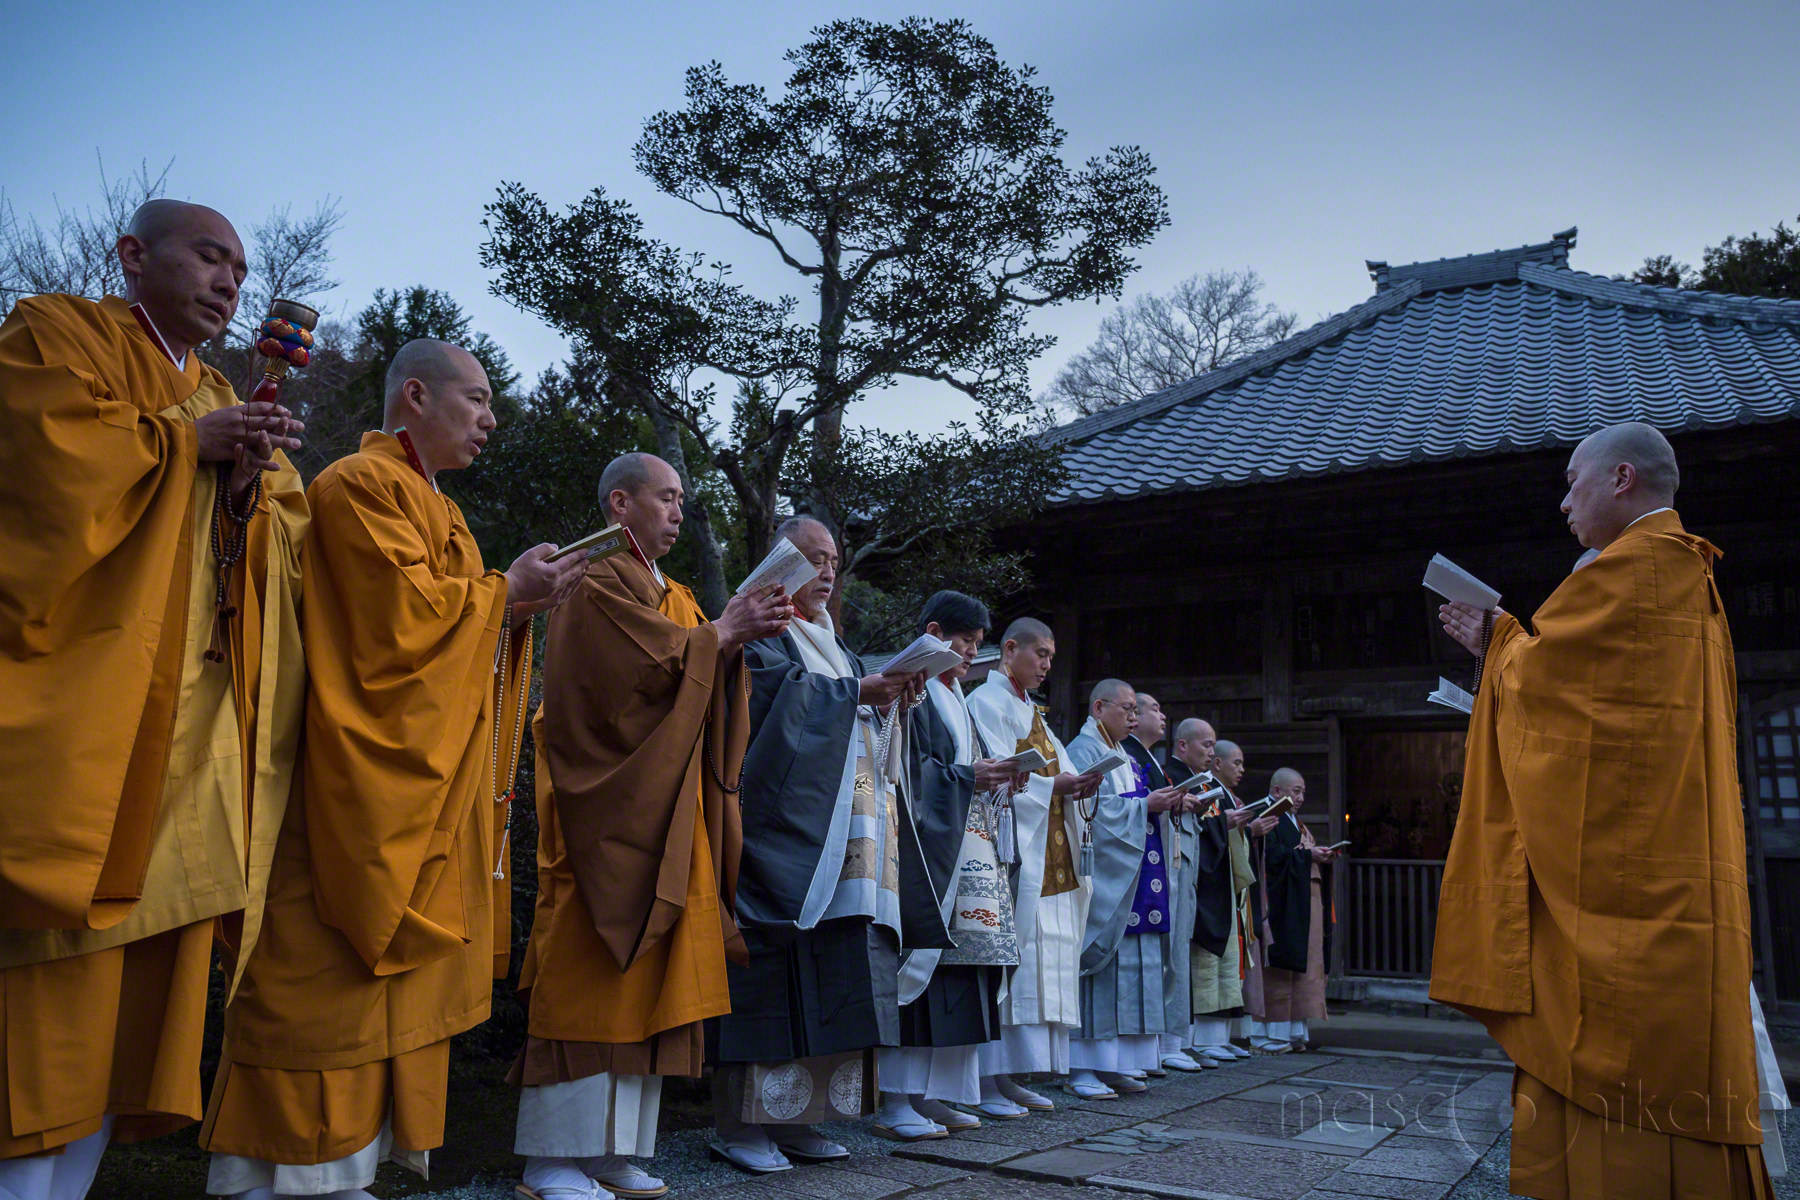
x=1778 y=766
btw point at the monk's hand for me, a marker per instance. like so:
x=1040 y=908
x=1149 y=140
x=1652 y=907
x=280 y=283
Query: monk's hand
x=754 y=616
x=882 y=690
x=1262 y=825
x=1237 y=818
x=995 y=775
x=250 y=459
x=1321 y=855
x=1079 y=786
x=534 y=583
x=1463 y=623
x=1165 y=799
x=224 y=429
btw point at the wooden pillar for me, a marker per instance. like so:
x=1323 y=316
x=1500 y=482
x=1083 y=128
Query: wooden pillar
x=1065 y=623
x=1278 y=650
x=1340 y=898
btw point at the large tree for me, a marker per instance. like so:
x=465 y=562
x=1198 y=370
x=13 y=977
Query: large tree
x=1754 y=265
x=914 y=183
x=1157 y=341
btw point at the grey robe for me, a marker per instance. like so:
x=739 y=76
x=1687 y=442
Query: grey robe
x=1184 y=882
x=1121 y=975
x=831 y=987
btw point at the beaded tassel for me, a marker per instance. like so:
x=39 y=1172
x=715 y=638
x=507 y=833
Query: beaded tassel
x=228 y=550
x=501 y=667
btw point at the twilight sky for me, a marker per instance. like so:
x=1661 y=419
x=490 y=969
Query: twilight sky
x=1298 y=137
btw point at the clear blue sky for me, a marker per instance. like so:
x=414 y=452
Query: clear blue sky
x=1298 y=138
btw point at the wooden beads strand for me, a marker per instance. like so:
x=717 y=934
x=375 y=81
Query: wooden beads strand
x=228 y=551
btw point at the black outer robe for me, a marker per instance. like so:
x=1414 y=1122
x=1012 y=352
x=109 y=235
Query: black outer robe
x=833 y=988
x=1287 y=874
x=960 y=1005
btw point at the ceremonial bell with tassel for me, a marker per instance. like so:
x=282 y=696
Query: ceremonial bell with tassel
x=285 y=339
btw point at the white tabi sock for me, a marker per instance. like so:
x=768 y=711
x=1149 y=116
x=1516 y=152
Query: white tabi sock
x=569 y=1180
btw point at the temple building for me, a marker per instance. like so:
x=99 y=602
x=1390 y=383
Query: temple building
x=1248 y=546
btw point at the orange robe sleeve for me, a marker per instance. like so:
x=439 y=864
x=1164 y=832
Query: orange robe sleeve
x=95 y=484
x=1595 y=913
x=401 y=656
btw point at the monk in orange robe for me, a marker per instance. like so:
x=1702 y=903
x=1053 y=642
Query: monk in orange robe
x=147 y=731
x=640 y=739
x=1594 y=913
x=387 y=888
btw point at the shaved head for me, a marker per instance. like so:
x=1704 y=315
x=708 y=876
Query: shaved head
x=1615 y=476
x=1645 y=448
x=797 y=525
x=1191 y=729
x=1230 y=757
x=1026 y=651
x=1028 y=631
x=441 y=395
x=184 y=263
x=644 y=494
x=1194 y=743
x=155 y=220
x=431 y=362
x=631 y=473
x=1288 y=782
x=1109 y=689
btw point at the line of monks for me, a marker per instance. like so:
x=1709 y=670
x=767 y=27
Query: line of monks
x=286 y=722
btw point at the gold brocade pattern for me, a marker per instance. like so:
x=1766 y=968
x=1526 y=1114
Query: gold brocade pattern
x=1059 y=859
x=860 y=854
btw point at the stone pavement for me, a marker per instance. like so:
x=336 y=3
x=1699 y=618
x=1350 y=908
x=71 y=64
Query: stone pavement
x=1325 y=1125
x=1342 y=1122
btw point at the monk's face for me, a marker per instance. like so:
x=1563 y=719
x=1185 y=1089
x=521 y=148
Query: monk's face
x=1295 y=791
x=450 y=415
x=820 y=548
x=966 y=644
x=1595 y=505
x=653 y=511
x=1116 y=714
x=1197 y=751
x=1150 y=720
x=1028 y=662
x=186 y=274
x=1229 y=768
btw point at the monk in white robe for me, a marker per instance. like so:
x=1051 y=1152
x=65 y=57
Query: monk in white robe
x=1042 y=1005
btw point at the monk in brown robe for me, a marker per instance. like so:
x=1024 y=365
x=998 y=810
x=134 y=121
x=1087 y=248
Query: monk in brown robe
x=640 y=739
x=1594 y=914
x=135 y=827
x=387 y=901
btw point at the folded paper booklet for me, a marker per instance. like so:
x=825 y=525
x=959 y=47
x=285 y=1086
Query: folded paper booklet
x=784 y=565
x=1453 y=583
x=1269 y=806
x=1026 y=761
x=604 y=544
x=1338 y=845
x=1451 y=696
x=1107 y=765
x=928 y=654
x=1211 y=795
x=1193 y=782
